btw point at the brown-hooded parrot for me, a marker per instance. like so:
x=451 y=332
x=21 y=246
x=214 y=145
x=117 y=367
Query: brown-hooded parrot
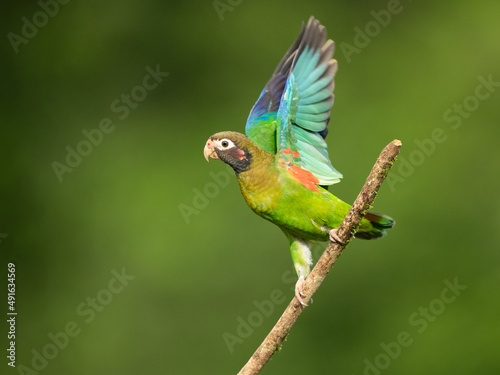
x=282 y=162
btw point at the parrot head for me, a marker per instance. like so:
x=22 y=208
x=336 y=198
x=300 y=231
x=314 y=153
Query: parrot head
x=232 y=148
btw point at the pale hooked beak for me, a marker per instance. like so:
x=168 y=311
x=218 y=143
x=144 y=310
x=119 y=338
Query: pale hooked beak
x=209 y=151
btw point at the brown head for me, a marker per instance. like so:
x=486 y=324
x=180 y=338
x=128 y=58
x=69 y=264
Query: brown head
x=232 y=148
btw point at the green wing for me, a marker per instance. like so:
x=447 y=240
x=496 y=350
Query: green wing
x=305 y=107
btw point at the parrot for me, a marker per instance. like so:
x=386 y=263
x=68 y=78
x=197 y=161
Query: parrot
x=281 y=162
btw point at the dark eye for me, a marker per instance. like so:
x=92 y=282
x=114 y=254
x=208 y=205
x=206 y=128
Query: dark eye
x=226 y=143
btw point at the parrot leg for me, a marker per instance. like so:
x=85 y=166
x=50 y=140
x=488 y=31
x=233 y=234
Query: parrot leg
x=299 y=290
x=302 y=261
x=334 y=237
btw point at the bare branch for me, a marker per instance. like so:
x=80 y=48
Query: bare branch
x=346 y=230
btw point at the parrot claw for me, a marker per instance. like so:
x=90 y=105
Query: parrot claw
x=299 y=293
x=334 y=237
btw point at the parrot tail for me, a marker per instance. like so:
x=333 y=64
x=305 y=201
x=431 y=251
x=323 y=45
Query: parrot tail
x=379 y=224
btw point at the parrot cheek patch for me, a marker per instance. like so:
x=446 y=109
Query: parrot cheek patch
x=237 y=153
x=241 y=154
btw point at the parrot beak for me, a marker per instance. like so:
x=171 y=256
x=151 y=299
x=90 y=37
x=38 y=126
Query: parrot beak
x=209 y=151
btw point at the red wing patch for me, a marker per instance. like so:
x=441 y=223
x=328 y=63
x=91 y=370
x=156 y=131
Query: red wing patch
x=289 y=151
x=306 y=178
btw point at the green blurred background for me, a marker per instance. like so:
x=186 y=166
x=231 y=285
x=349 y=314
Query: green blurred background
x=200 y=274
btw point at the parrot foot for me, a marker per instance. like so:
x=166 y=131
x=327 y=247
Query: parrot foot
x=334 y=237
x=299 y=293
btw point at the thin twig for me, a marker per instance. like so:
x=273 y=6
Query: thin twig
x=346 y=230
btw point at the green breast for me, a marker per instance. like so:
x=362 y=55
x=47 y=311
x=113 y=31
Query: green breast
x=260 y=186
x=306 y=213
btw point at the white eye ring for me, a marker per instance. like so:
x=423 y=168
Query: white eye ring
x=226 y=143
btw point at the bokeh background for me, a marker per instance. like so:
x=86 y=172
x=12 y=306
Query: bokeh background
x=143 y=201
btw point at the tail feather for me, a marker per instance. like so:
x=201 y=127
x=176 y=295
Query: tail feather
x=379 y=224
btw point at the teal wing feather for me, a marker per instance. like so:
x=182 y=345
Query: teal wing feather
x=305 y=105
x=262 y=123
